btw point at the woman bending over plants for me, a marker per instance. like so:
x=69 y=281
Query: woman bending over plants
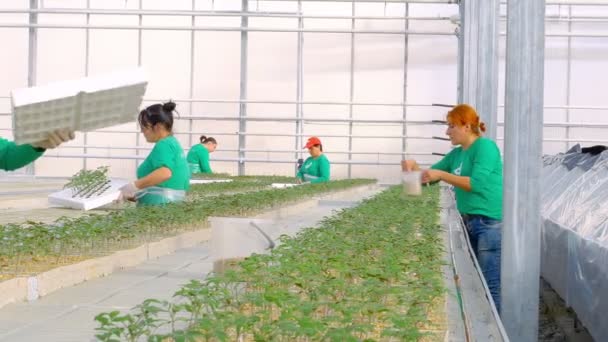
x=164 y=176
x=198 y=156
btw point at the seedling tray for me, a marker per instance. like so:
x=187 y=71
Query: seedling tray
x=80 y=105
x=94 y=196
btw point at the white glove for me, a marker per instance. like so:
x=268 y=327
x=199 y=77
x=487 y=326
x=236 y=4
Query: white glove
x=127 y=192
x=55 y=139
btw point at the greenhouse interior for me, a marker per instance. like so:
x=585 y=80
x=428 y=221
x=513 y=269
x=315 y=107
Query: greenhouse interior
x=299 y=170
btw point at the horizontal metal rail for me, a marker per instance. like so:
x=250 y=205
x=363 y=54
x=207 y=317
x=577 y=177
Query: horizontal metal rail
x=568 y=140
x=272 y=30
x=569 y=34
x=291 y=102
x=147 y=148
x=319 y=119
x=246 y=160
x=272 y=134
x=336 y=103
x=570 y=124
x=223 y=29
x=286 y=15
x=575 y=2
x=384 y=1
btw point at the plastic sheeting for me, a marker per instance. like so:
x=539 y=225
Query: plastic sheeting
x=574 y=256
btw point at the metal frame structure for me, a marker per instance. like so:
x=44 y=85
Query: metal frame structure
x=244 y=28
x=478 y=59
x=520 y=265
x=299 y=120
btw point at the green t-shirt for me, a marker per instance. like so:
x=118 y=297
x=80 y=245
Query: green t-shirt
x=315 y=170
x=198 y=159
x=168 y=153
x=482 y=163
x=13 y=156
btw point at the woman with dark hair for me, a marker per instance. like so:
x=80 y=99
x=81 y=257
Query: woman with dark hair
x=316 y=167
x=198 y=156
x=163 y=177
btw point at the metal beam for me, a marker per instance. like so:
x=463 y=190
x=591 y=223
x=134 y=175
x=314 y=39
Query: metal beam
x=479 y=58
x=87 y=53
x=191 y=72
x=253 y=160
x=243 y=89
x=523 y=148
x=222 y=29
x=299 y=89
x=139 y=58
x=32 y=55
x=568 y=77
x=352 y=86
x=405 y=65
x=287 y=15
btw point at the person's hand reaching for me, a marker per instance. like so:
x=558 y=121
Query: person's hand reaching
x=55 y=139
x=127 y=192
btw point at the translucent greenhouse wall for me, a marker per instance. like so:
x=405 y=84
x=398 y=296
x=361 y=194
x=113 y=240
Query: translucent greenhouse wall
x=574 y=257
x=576 y=71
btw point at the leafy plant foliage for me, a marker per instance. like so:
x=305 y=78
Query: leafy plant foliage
x=33 y=247
x=367 y=273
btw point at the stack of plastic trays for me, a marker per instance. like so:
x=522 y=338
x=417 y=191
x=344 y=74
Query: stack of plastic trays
x=80 y=105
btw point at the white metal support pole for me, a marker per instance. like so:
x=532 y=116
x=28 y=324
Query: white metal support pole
x=352 y=87
x=523 y=148
x=299 y=87
x=479 y=33
x=139 y=56
x=405 y=64
x=191 y=90
x=32 y=56
x=243 y=89
x=568 y=77
x=87 y=53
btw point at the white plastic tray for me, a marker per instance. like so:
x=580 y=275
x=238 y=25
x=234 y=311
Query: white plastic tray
x=208 y=181
x=81 y=105
x=106 y=195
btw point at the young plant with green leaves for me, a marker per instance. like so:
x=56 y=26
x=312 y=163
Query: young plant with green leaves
x=87 y=183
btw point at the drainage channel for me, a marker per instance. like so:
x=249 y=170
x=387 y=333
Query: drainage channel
x=471 y=314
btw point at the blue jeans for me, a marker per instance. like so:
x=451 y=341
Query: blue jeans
x=485 y=235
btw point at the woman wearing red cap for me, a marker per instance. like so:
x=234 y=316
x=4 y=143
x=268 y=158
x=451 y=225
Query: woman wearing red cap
x=316 y=167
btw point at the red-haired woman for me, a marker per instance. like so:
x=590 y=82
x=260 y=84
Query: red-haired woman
x=475 y=170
